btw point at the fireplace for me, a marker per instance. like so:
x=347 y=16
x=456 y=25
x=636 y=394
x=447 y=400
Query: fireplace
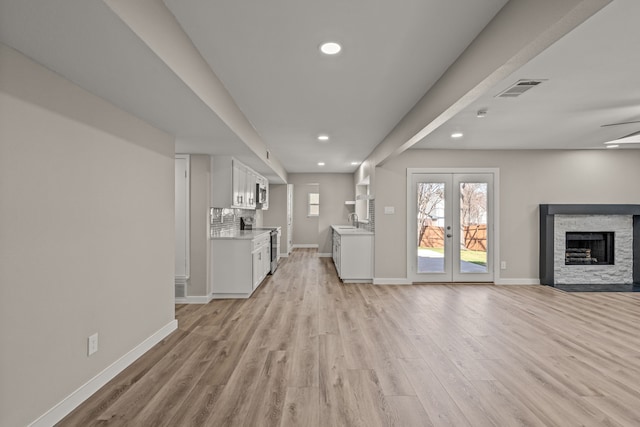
x=589 y=248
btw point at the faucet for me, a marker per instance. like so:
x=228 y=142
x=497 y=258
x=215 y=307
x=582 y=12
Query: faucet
x=353 y=217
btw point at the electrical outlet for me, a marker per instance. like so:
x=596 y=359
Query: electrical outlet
x=503 y=265
x=92 y=344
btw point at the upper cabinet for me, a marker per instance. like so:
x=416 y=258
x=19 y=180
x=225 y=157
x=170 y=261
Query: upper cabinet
x=233 y=184
x=238 y=185
x=250 y=189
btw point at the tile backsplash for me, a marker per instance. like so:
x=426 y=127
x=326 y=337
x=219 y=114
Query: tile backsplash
x=223 y=219
x=371 y=225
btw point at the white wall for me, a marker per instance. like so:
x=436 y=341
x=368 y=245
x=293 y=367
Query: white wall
x=276 y=215
x=527 y=178
x=86 y=236
x=335 y=189
x=305 y=228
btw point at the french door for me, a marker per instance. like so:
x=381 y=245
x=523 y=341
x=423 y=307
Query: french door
x=450 y=227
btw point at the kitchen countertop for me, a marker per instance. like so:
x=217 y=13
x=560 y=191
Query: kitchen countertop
x=266 y=227
x=348 y=230
x=238 y=234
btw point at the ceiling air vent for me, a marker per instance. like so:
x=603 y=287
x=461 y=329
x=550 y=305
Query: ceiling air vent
x=519 y=88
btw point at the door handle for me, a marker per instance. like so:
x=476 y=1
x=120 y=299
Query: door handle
x=449 y=235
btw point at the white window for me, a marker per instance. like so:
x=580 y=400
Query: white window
x=314 y=204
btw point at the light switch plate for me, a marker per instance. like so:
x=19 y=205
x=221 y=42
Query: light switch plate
x=92 y=344
x=389 y=210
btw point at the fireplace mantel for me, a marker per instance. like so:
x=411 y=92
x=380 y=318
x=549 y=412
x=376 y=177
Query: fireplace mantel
x=547 y=221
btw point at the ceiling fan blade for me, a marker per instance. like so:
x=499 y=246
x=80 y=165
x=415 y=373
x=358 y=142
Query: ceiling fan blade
x=620 y=123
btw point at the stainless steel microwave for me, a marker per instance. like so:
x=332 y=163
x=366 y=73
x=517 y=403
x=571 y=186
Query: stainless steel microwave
x=261 y=192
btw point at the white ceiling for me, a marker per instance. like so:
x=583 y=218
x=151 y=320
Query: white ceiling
x=593 y=79
x=266 y=55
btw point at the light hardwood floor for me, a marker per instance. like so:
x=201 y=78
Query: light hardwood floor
x=307 y=350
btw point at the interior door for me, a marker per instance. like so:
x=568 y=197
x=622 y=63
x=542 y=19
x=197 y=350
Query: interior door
x=450 y=227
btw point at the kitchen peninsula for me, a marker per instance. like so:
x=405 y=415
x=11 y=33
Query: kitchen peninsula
x=240 y=261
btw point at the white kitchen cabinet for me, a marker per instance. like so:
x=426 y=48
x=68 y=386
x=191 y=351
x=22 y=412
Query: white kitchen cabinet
x=233 y=184
x=250 y=189
x=239 y=265
x=353 y=256
x=238 y=184
x=228 y=182
x=336 y=251
x=261 y=259
x=256 y=256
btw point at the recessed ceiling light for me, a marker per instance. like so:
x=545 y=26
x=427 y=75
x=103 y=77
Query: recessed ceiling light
x=320 y=163
x=355 y=163
x=481 y=113
x=457 y=135
x=613 y=146
x=330 y=48
x=323 y=138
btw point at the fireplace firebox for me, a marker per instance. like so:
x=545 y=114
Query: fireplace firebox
x=589 y=248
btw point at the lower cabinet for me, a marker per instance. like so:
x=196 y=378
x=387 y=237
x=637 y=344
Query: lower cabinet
x=336 y=251
x=261 y=262
x=353 y=256
x=239 y=265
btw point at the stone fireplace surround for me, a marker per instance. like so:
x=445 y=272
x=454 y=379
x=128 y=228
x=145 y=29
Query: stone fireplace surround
x=567 y=214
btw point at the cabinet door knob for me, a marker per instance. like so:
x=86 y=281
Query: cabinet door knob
x=449 y=235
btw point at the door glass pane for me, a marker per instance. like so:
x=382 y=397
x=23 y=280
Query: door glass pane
x=430 y=200
x=473 y=227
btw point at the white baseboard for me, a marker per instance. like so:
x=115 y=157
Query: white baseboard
x=404 y=281
x=305 y=246
x=284 y=255
x=325 y=255
x=232 y=296
x=386 y=281
x=62 y=409
x=194 y=300
x=517 y=281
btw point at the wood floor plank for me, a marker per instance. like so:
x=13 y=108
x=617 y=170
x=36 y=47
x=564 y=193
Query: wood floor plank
x=309 y=350
x=370 y=401
x=408 y=411
x=301 y=407
x=268 y=400
x=437 y=403
x=167 y=402
x=196 y=407
x=142 y=392
x=337 y=401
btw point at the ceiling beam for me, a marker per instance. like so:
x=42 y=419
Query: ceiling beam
x=156 y=26
x=519 y=32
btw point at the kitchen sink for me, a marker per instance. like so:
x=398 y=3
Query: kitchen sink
x=349 y=229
